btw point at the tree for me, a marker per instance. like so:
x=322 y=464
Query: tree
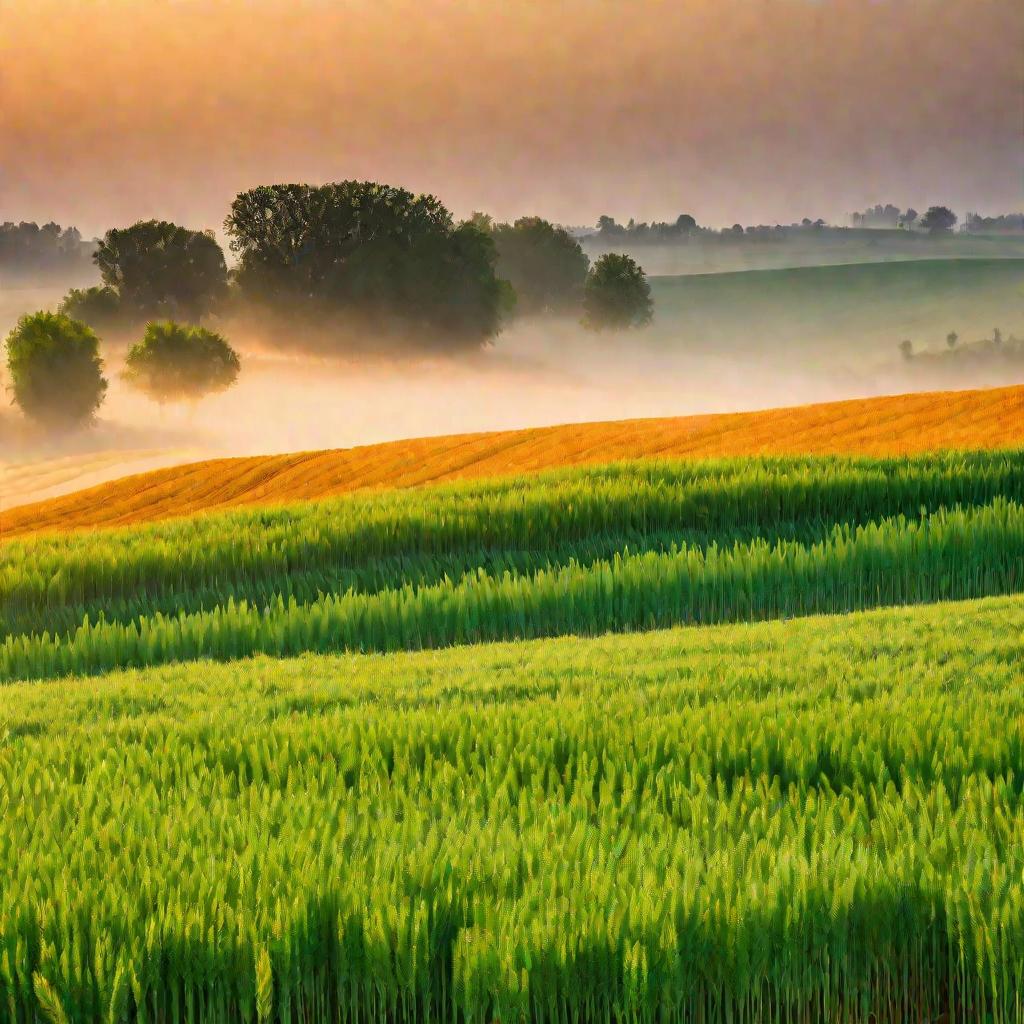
x=952 y=338
x=55 y=369
x=939 y=220
x=482 y=221
x=545 y=265
x=159 y=269
x=909 y=218
x=99 y=307
x=392 y=262
x=685 y=224
x=616 y=295
x=608 y=227
x=175 y=362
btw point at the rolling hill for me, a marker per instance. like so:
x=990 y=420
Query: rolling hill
x=894 y=425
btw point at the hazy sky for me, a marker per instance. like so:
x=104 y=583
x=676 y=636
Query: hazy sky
x=749 y=110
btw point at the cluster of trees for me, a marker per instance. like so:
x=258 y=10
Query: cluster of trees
x=28 y=249
x=1007 y=223
x=381 y=261
x=57 y=374
x=378 y=260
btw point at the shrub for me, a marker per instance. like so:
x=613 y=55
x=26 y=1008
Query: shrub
x=56 y=371
x=176 y=362
x=99 y=307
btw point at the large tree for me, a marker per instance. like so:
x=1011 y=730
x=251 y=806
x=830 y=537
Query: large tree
x=390 y=261
x=55 y=369
x=159 y=269
x=617 y=295
x=939 y=220
x=544 y=264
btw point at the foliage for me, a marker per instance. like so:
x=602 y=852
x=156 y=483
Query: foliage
x=616 y=295
x=160 y=269
x=789 y=822
x=938 y=220
x=99 y=307
x=55 y=369
x=176 y=362
x=544 y=264
x=392 y=262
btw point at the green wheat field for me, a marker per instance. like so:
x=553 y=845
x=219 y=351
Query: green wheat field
x=526 y=750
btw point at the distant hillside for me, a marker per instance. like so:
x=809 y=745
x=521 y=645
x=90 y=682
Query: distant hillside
x=854 y=311
x=891 y=425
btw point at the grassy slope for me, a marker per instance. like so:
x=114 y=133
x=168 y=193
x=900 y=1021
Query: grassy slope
x=848 y=249
x=851 y=315
x=892 y=425
x=837 y=783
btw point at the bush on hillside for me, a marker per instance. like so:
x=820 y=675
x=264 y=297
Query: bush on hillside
x=177 y=362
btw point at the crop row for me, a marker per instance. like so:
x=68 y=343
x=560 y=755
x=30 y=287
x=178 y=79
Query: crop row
x=945 y=555
x=369 y=543
x=788 y=821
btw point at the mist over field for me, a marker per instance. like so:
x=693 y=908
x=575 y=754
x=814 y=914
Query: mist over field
x=718 y=343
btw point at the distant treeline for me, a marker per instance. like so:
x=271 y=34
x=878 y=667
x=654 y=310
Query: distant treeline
x=685 y=229
x=938 y=218
x=28 y=250
x=1008 y=223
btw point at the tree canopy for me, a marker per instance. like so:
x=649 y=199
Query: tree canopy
x=617 y=294
x=544 y=264
x=160 y=269
x=175 y=362
x=55 y=369
x=390 y=261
